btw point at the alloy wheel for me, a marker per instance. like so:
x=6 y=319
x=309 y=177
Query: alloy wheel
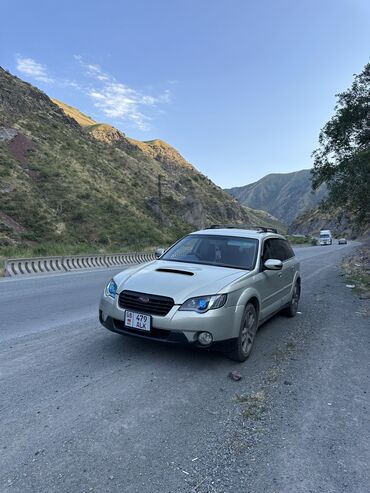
x=295 y=298
x=248 y=331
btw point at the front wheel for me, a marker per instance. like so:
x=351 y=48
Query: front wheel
x=247 y=335
x=292 y=308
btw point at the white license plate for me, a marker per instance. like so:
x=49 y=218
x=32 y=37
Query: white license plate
x=138 y=321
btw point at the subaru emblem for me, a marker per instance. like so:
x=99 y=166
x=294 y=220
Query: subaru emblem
x=144 y=299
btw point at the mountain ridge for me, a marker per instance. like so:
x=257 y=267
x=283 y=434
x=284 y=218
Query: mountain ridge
x=285 y=195
x=156 y=148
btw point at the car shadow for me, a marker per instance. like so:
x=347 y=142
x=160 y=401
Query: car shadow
x=114 y=349
x=120 y=348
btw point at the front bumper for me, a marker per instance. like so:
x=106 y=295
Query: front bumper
x=161 y=335
x=177 y=326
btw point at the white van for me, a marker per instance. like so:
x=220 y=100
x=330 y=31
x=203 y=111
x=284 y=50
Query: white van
x=326 y=237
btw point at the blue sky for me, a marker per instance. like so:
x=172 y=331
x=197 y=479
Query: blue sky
x=241 y=88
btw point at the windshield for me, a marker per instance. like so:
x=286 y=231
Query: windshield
x=223 y=251
x=325 y=236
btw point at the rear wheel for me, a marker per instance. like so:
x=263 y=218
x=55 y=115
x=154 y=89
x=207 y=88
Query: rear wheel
x=247 y=334
x=292 y=308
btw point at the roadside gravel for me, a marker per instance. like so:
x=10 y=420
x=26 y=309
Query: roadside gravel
x=85 y=410
x=305 y=426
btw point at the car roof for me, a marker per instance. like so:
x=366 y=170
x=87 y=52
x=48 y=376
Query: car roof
x=243 y=233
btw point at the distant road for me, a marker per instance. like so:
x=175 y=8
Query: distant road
x=83 y=409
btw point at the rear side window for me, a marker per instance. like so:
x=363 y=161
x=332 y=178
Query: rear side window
x=278 y=249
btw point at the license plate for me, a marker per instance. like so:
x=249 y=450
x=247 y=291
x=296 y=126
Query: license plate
x=138 y=321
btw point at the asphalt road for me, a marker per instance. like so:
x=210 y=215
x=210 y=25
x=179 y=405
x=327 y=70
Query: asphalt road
x=83 y=409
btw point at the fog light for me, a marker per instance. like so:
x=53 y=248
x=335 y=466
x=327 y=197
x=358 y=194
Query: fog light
x=205 y=338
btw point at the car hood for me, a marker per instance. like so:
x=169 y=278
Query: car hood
x=178 y=280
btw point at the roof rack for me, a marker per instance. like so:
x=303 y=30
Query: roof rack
x=259 y=229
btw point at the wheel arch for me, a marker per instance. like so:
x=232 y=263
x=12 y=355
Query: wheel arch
x=255 y=302
x=250 y=295
x=299 y=282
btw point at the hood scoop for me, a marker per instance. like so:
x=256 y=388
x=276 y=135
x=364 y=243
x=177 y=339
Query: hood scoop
x=176 y=271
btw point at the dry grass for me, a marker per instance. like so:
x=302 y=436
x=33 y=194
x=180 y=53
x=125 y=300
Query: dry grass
x=254 y=405
x=74 y=113
x=357 y=270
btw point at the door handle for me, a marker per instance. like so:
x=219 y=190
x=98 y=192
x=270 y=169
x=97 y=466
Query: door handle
x=280 y=274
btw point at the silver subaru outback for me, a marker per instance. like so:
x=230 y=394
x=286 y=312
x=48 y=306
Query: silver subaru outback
x=213 y=288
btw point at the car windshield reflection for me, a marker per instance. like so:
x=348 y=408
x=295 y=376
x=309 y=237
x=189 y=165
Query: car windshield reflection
x=221 y=251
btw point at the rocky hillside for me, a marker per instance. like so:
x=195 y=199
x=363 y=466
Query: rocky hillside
x=263 y=218
x=285 y=195
x=76 y=114
x=340 y=223
x=156 y=149
x=67 y=180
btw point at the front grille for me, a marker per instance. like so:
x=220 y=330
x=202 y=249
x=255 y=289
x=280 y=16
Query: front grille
x=156 y=305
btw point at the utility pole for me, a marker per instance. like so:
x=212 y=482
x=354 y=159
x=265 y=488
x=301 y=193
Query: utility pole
x=160 y=200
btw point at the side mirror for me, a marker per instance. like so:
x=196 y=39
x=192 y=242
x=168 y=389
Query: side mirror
x=159 y=252
x=273 y=264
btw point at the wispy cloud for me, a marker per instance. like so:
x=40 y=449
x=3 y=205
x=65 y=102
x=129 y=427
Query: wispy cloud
x=114 y=99
x=117 y=100
x=30 y=67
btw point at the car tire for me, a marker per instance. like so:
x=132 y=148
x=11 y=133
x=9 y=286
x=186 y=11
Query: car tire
x=292 y=308
x=247 y=334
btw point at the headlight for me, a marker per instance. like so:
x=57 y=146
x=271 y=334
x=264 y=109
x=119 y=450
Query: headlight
x=111 y=289
x=202 y=304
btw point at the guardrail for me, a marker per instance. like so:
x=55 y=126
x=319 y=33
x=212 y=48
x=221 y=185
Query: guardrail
x=68 y=263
